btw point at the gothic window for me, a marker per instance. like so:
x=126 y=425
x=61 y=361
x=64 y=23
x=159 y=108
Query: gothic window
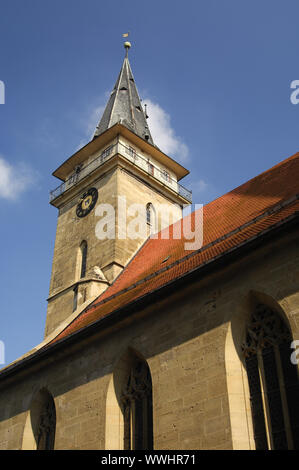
x=273 y=381
x=80 y=270
x=75 y=300
x=46 y=425
x=83 y=248
x=149 y=213
x=136 y=399
x=151 y=218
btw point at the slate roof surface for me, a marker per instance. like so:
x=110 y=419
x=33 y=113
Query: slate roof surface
x=124 y=106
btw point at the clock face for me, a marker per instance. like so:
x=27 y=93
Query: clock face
x=87 y=202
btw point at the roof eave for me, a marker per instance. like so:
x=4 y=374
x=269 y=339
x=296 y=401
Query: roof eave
x=64 y=170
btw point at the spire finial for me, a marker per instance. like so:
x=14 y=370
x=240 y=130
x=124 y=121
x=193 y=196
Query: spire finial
x=127 y=46
x=124 y=104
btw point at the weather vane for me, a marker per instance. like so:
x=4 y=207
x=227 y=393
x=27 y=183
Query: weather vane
x=127 y=44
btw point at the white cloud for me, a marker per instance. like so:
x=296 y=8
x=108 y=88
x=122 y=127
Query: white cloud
x=93 y=120
x=201 y=186
x=15 y=179
x=202 y=192
x=90 y=123
x=163 y=134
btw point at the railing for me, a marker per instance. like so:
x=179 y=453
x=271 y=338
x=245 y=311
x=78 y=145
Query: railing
x=130 y=154
x=85 y=171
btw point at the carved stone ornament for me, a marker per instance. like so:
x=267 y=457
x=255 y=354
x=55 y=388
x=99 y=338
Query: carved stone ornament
x=265 y=329
x=46 y=426
x=139 y=383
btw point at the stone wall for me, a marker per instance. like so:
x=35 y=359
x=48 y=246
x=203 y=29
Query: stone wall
x=110 y=254
x=191 y=341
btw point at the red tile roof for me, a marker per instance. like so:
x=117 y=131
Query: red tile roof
x=228 y=222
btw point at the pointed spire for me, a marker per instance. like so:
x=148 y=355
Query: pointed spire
x=124 y=105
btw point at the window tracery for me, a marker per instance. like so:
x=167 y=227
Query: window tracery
x=136 y=400
x=273 y=381
x=46 y=426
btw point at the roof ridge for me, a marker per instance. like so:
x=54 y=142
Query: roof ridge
x=267 y=216
x=268 y=212
x=277 y=165
x=275 y=225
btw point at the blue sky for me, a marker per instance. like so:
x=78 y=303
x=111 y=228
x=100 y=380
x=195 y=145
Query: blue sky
x=216 y=73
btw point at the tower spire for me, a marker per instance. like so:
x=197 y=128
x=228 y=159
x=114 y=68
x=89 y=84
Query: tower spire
x=124 y=105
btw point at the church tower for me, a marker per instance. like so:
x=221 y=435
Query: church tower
x=100 y=187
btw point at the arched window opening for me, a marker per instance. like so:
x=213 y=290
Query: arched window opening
x=40 y=426
x=151 y=217
x=75 y=299
x=137 y=406
x=83 y=248
x=273 y=381
x=46 y=426
x=148 y=214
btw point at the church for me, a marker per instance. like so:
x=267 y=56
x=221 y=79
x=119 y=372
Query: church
x=154 y=339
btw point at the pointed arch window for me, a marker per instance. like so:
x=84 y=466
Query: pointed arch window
x=40 y=426
x=273 y=381
x=47 y=424
x=75 y=299
x=83 y=248
x=137 y=405
x=149 y=213
x=151 y=218
x=80 y=270
x=42 y=419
